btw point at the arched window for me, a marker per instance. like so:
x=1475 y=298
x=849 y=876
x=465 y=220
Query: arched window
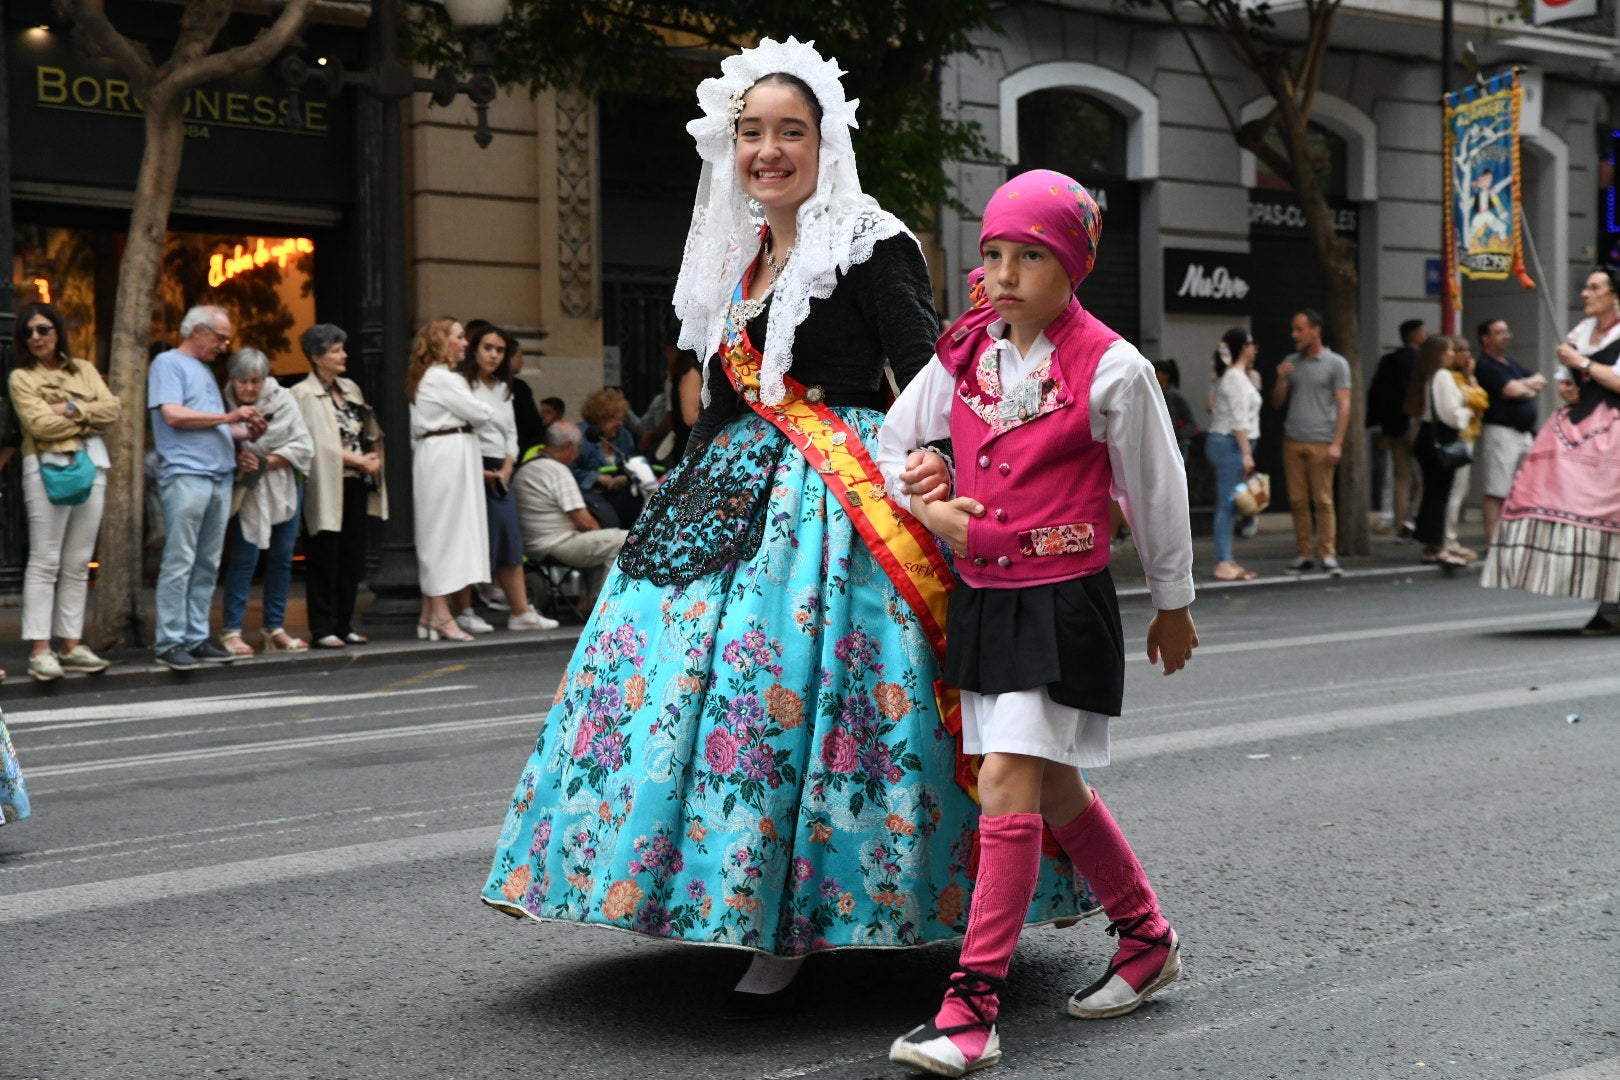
x=1068 y=130
x=1329 y=157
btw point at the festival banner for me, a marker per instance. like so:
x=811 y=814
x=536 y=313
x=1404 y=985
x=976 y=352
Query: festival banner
x=1482 y=184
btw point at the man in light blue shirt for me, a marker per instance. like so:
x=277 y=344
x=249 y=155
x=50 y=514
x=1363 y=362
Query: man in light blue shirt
x=195 y=440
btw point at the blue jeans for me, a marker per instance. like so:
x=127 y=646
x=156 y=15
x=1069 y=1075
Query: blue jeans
x=1224 y=454
x=195 y=509
x=278 y=560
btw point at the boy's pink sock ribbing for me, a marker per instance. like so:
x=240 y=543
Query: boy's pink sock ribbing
x=1009 y=865
x=1099 y=851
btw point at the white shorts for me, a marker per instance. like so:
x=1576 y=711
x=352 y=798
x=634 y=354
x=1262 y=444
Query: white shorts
x=1498 y=456
x=1029 y=722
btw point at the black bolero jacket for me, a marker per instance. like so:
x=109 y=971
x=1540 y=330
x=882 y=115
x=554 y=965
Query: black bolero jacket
x=882 y=310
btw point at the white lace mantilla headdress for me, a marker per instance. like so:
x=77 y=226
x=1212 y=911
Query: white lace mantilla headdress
x=838 y=225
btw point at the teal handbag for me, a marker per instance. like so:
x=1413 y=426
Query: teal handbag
x=69 y=485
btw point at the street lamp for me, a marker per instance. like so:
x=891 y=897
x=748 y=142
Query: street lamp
x=392 y=79
x=380 y=256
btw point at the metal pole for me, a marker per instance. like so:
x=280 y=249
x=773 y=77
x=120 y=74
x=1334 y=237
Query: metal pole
x=384 y=321
x=1541 y=272
x=1448 y=313
x=12 y=516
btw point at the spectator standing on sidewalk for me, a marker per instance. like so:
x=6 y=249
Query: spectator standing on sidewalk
x=1386 y=410
x=1313 y=385
x=488 y=371
x=1462 y=373
x=1438 y=404
x=557 y=525
x=447 y=479
x=195 y=440
x=345 y=486
x=268 y=496
x=1509 y=425
x=1234 y=428
x=62 y=407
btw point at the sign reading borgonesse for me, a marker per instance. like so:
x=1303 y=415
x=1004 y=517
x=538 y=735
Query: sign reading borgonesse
x=76 y=120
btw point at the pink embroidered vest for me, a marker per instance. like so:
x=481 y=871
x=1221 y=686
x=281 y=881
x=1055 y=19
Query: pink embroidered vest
x=1025 y=451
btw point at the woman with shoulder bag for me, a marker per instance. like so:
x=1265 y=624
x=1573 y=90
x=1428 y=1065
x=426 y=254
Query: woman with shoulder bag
x=63 y=406
x=1435 y=399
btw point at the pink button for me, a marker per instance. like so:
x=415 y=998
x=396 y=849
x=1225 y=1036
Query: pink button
x=981 y=561
x=1006 y=469
x=1001 y=515
x=984 y=461
x=1004 y=561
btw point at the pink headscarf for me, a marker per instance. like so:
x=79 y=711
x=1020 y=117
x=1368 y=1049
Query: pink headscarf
x=1046 y=207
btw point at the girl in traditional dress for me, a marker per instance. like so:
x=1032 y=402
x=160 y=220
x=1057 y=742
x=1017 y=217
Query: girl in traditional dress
x=748 y=747
x=1560 y=528
x=1050 y=413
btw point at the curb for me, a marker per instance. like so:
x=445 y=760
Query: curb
x=140 y=674
x=1272 y=580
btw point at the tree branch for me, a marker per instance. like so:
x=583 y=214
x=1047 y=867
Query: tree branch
x=1170 y=8
x=96 y=29
x=265 y=47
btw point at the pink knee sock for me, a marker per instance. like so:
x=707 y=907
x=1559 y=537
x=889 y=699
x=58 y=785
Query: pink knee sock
x=1009 y=864
x=1100 y=852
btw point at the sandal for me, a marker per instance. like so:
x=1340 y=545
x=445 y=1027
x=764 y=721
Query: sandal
x=447 y=629
x=231 y=641
x=278 y=640
x=1443 y=558
x=1240 y=574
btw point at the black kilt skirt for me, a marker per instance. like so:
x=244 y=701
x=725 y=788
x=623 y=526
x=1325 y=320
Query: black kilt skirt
x=1066 y=637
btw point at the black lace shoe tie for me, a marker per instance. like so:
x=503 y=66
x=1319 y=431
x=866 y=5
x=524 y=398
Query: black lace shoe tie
x=970 y=986
x=1127 y=928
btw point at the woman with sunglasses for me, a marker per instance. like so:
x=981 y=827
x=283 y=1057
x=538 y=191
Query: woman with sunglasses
x=63 y=406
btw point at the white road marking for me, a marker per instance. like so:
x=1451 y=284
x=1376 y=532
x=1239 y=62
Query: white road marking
x=1371 y=633
x=169 y=884
x=1324 y=723
x=1597 y=1070
x=449 y=727
x=174 y=708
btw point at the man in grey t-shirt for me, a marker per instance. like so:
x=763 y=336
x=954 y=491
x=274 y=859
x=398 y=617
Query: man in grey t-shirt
x=1313 y=385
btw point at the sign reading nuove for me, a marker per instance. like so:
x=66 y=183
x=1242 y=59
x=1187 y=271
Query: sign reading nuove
x=1206 y=282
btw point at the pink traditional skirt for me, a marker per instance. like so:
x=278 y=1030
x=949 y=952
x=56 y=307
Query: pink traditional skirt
x=1560 y=528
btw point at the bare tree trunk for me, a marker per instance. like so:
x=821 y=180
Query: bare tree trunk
x=115 y=618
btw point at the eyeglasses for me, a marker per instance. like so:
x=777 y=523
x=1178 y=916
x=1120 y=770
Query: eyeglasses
x=39 y=330
x=223 y=339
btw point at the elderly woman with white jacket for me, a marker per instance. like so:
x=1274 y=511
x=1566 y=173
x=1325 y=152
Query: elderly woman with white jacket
x=345 y=487
x=269 y=490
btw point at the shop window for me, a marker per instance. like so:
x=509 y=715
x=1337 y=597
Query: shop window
x=1067 y=130
x=265 y=282
x=1330 y=158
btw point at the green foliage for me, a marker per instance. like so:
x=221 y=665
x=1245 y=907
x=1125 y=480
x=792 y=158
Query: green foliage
x=891 y=51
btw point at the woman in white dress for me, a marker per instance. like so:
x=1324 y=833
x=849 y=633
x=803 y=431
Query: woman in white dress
x=447 y=476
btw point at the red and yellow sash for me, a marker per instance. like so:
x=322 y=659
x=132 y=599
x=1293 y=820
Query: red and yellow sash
x=904 y=549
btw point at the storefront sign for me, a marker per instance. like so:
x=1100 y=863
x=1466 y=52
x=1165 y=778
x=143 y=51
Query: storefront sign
x=222 y=267
x=1551 y=11
x=78 y=121
x=1278 y=213
x=1206 y=282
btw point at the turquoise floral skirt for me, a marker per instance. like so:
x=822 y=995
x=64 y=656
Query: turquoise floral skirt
x=745 y=749
x=13 y=792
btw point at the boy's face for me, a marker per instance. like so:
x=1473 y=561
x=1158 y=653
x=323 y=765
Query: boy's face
x=1026 y=284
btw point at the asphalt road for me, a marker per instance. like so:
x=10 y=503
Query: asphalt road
x=1387 y=853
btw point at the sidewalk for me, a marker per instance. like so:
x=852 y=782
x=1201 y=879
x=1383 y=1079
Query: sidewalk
x=1268 y=552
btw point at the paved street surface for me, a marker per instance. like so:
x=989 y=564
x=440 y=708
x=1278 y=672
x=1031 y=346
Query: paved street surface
x=1387 y=852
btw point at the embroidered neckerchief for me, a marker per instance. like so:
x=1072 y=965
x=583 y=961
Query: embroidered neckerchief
x=1004 y=407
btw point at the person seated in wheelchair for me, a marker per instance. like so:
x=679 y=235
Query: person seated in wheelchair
x=556 y=523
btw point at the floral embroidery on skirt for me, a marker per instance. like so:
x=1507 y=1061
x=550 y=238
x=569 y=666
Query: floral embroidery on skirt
x=754 y=758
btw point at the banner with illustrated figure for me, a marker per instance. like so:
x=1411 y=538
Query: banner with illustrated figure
x=1482 y=222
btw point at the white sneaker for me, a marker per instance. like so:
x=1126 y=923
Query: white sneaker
x=1331 y=565
x=469 y=621
x=494 y=597
x=44 y=666
x=531 y=620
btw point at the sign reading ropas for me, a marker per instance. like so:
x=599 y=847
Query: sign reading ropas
x=1206 y=282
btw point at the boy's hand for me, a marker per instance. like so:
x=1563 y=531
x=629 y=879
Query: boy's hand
x=948 y=520
x=926 y=476
x=1171 y=637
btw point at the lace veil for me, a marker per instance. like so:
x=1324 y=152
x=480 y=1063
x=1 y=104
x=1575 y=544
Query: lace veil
x=838 y=225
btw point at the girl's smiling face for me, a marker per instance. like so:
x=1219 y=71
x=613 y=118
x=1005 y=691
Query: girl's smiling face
x=778 y=147
x=1026 y=284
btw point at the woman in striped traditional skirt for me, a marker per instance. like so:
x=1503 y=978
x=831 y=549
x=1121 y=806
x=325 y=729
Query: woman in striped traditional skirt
x=1560 y=530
